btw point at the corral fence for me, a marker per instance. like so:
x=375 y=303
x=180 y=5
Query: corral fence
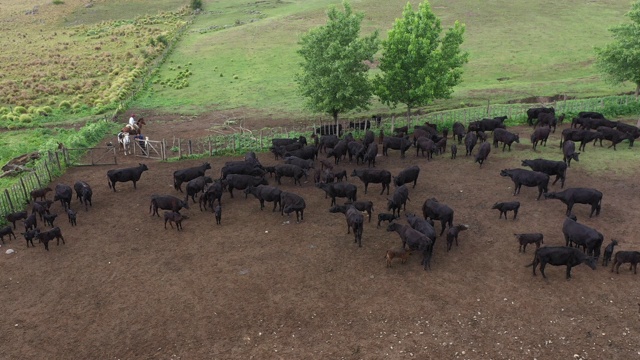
x=242 y=139
x=105 y=155
x=150 y=149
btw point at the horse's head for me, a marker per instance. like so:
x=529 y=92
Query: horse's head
x=141 y=122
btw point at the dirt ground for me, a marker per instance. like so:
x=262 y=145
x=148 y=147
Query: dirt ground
x=263 y=286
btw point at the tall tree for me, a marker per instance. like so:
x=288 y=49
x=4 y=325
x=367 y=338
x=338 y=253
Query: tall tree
x=333 y=76
x=620 y=60
x=417 y=64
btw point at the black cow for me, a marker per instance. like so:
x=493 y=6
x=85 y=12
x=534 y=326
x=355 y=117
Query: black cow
x=582 y=136
x=40 y=193
x=422 y=225
x=218 y=212
x=184 y=175
x=569 y=152
x=582 y=235
x=458 y=131
x=39 y=209
x=83 y=193
x=591 y=114
x=406 y=176
x=504 y=207
x=592 y=124
x=355 y=149
x=241 y=168
x=73 y=217
x=290 y=202
x=483 y=153
x=630 y=129
x=31 y=222
x=386 y=217
x=343 y=190
x=398 y=200
x=505 y=137
x=550 y=120
x=425 y=144
x=549 y=167
x=124 y=175
x=64 y=193
x=166 y=202
x=241 y=182
x=197 y=185
x=371 y=154
x=573 y=196
x=265 y=193
x=49 y=219
x=470 y=141
x=303 y=163
x=492 y=124
x=173 y=217
x=290 y=170
x=541 y=135
x=530 y=238
x=615 y=136
x=360 y=125
x=558 y=256
x=339 y=151
x=7 y=231
x=13 y=217
x=622 y=257
x=354 y=218
x=415 y=240
x=534 y=113
x=327 y=141
x=454 y=151
x=608 y=252
x=212 y=193
x=369 y=138
x=453 y=233
x=282 y=142
x=308 y=152
x=434 y=210
x=46 y=236
x=30 y=235
x=395 y=143
x=527 y=178
x=365 y=206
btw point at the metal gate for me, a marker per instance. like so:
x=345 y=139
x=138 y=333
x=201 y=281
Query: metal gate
x=151 y=149
x=90 y=156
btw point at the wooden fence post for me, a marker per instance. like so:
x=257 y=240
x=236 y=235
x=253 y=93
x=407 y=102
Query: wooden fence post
x=209 y=141
x=6 y=192
x=58 y=161
x=47 y=168
x=189 y=147
x=393 y=123
x=260 y=139
x=179 y=149
x=24 y=188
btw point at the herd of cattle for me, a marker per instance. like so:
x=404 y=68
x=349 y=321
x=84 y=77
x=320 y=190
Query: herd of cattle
x=300 y=159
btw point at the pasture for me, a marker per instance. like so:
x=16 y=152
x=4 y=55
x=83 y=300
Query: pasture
x=263 y=286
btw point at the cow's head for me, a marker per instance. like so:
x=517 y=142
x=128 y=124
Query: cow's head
x=591 y=262
x=505 y=172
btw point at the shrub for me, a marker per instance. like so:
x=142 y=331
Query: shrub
x=19 y=110
x=196 y=4
x=64 y=104
x=58 y=2
x=25 y=118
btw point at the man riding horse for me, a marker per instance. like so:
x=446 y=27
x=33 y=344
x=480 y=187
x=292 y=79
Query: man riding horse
x=133 y=127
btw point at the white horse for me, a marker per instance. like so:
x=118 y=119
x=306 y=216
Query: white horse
x=125 y=142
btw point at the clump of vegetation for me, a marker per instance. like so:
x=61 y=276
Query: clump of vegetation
x=196 y=4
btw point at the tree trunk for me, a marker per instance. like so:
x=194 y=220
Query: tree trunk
x=335 y=121
x=408 y=117
x=637 y=90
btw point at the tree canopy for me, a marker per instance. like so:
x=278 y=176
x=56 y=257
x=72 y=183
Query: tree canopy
x=333 y=76
x=620 y=60
x=417 y=64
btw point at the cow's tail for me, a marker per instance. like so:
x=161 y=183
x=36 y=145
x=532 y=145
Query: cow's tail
x=109 y=181
x=535 y=256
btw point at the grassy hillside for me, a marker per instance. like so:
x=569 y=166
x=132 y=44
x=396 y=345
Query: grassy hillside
x=243 y=54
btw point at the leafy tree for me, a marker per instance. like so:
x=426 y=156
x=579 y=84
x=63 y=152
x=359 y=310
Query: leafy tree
x=333 y=76
x=417 y=64
x=620 y=60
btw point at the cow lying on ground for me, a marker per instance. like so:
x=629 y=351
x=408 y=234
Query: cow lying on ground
x=400 y=253
x=549 y=167
x=527 y=178
x=173 y=217
x=504 y=207
x=47 y=236
x=453 y=233
x=573 y=196
x=530 y=238
x=125 y=175
x=608 y=252
x=354 y=218
x=386 y=217
x=558 y=256
x=166 y=202
x=622 y=257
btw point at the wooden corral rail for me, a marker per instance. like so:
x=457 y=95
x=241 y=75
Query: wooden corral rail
x=105 y=155
x=17 y=196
